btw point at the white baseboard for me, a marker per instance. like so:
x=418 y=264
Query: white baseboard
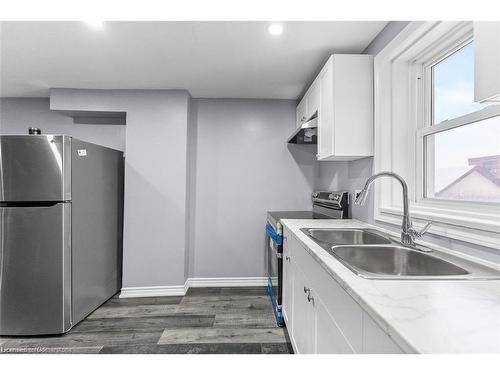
x=153 y=291
x=197 y=282
x=203 y=282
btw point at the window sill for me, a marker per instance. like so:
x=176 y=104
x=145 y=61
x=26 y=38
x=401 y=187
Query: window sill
x=457 y=225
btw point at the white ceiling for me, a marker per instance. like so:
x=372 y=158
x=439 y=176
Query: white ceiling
x=210 y=59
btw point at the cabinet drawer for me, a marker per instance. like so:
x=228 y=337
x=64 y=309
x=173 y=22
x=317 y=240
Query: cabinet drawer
x=346 y=312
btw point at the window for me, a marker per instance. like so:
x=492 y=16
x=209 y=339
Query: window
x=461 y=142
x=429 y=130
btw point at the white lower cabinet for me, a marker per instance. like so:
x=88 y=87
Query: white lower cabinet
x=375 y=341
x=303 y=315
x=330 y=321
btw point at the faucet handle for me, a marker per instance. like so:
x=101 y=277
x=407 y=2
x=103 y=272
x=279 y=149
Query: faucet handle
x=413 y=233
x=424 y=230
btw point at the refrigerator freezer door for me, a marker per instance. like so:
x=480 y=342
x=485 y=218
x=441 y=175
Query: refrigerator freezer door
x=35 y=265
x=35 y=168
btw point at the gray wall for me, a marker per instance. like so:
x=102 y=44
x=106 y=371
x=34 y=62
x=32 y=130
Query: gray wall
x=18 y=114
x=243 y=169
x=387 y=34
x=347 y=176
x=155 y=178
x=199 y=177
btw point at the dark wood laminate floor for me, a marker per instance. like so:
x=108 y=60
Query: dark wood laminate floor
x=206 y=320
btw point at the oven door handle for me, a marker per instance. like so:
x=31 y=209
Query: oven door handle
x=277 y=238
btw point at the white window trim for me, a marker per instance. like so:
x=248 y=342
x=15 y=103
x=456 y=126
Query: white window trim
x=397 y=147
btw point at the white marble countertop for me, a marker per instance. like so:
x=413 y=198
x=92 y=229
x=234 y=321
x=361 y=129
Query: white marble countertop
x=422 y=316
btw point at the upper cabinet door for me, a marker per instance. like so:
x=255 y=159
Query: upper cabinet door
x=487 y=61
x=312 y=97
x=352 y=107
x=325 y=114
x=301 y=112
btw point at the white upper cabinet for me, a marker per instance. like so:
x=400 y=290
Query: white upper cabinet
x=345 y=123
x=342 y=95
x=487 y=61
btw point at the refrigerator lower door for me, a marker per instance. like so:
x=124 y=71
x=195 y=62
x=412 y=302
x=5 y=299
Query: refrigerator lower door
x=35 y=266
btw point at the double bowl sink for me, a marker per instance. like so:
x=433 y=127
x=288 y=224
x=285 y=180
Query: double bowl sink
x=374 y=255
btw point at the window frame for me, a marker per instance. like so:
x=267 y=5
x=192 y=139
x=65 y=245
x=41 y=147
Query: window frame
x=422 y=71
x=401 y=149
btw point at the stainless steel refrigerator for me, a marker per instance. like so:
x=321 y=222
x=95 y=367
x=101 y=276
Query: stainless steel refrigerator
x=61 y=209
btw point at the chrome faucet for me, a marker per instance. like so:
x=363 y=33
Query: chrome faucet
x=408 y=233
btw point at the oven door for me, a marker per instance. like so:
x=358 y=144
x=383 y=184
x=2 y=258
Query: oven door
x=274 y=264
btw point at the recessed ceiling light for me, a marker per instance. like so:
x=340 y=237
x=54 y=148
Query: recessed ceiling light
x=275 y=29
x=95 y=24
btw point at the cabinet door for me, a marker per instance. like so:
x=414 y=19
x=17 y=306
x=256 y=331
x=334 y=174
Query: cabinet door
x=328 y=337
x=312 y=97
x=287 y=293
x=375 y=340
x=325 y=112
x=301 y=112
x=487 y=61
x=303 y=315
x=352 y=107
